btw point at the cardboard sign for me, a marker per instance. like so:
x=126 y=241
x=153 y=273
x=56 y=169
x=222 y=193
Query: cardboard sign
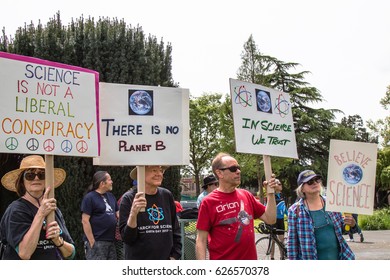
x=143 y=125
x=263 y=122
x=351 y=177
x=47 y=107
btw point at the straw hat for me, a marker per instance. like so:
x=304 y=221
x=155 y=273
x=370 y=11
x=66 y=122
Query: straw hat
x=133 y=172
x=31 y=162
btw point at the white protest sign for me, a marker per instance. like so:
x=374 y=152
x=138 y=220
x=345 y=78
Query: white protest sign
x=263 y=122
x=351 y=177
x=143 y=125
x=47 y=107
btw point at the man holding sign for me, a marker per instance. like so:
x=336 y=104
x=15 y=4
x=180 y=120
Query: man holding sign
x=226 y=215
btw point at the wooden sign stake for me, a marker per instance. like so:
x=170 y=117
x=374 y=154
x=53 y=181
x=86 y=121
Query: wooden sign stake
x=268 y=171
x=141 y=181
x=49 y=181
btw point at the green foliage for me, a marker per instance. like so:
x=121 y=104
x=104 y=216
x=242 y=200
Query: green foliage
x=312 y=126
x=379 y=221
x=204 y=134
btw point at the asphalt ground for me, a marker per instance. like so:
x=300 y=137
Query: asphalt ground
x=376 y=245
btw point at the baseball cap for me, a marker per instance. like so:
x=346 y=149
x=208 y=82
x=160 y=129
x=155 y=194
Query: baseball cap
x=306 y=176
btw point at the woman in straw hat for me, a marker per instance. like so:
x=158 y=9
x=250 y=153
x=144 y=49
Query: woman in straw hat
x=23 y=226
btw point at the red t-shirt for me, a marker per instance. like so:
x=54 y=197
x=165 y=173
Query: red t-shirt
x=228 y=218
x=179 y=208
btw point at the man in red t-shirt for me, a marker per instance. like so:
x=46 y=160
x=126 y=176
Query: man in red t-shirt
x=226 y=215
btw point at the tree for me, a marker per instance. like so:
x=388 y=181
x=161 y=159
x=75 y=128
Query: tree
x=382 y=127
x=312 y=126
x=204 y=134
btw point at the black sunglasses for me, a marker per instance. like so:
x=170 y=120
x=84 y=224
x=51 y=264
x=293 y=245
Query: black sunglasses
x=233 y=168
x=314 y=180
x=30 y=176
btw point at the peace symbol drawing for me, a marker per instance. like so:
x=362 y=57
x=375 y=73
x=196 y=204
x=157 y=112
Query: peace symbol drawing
x=11 y=143
x=32 y=144
x=66 y=146
x=82 y=146
x=48 y=145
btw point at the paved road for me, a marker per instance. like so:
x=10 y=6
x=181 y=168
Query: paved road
x=376 y=245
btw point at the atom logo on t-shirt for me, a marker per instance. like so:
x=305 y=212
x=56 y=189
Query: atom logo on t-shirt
x=155 y=214
x=243 y=217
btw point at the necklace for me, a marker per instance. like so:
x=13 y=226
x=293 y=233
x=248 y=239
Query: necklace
x=36 y=198
x=324 y=214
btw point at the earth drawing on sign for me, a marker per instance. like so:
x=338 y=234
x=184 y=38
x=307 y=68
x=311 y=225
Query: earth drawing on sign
x=141 y=102
x=352 y=174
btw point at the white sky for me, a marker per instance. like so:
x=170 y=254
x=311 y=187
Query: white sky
x=345 y=44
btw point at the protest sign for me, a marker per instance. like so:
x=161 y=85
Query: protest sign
x=263 y=122
x=351 y=177
x=143 y=125
x=47 y=107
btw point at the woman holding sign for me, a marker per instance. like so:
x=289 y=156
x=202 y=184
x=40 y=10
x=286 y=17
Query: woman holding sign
x=313 y=233
x=23 y=226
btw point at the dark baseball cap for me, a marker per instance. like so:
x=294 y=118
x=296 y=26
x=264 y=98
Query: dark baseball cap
x=208 y=180
x=306 y=176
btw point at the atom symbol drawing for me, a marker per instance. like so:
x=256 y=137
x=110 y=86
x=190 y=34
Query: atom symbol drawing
x=155 y=214
x=243 y=97
x=282 y=106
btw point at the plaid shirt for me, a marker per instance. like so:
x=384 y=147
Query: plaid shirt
x=301 y=244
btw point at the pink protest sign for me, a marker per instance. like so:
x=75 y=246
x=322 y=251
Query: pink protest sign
x=48 y=107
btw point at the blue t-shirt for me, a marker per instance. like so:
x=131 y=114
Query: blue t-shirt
x=281 y=208
x=102 y=211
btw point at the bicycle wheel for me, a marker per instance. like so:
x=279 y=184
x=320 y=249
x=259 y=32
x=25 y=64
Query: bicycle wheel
x=262 y=245
x=264 y=249
x=279 y=252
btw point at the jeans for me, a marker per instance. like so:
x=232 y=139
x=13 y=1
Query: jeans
x=101 y=250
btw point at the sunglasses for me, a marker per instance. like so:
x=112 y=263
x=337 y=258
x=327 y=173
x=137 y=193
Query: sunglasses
x=30 y=176
x=233 y=168
x=314 y=180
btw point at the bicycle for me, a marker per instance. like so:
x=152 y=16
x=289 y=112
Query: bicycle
x=264 y=244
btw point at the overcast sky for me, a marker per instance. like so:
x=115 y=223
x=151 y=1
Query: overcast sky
x=344 y=44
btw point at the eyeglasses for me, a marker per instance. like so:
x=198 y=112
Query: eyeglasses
x=214 y=184
x=233 y=168
x=30 y=176
x=314 y=180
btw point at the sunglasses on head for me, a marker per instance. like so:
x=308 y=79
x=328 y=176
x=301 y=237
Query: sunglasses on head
x=30 y=176
x=233 y=168
x=314 y=180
